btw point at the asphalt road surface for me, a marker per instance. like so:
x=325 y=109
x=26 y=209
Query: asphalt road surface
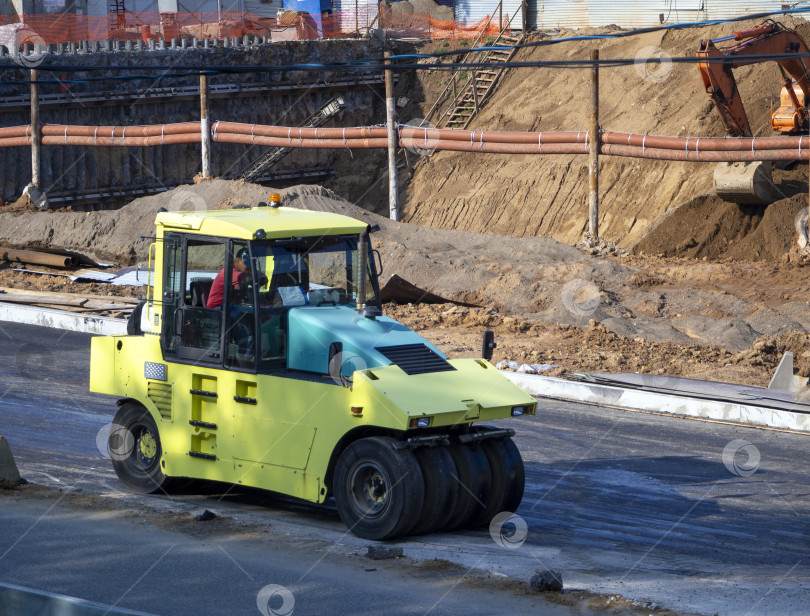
x=693 y=516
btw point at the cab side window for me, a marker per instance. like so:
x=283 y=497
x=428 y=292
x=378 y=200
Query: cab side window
x=192 y=331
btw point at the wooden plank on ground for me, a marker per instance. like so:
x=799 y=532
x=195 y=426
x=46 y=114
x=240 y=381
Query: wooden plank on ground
x=39 y=299
x=111 y=298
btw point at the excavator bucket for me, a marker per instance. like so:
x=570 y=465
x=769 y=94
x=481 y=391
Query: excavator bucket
x=745 y=182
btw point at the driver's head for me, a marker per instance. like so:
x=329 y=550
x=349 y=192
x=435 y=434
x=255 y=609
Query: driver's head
x=241 y=262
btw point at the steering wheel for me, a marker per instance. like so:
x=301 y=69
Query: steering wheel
x=245 y=288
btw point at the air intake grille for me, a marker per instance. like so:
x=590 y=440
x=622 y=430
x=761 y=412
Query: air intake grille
x=161 y=395
x=415 y=359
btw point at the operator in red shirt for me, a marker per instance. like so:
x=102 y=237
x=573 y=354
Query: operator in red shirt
x=241 y=269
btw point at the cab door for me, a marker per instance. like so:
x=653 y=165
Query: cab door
x=197 y=265
x=193 y=341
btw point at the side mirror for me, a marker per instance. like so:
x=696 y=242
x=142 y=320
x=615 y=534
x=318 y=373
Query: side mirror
x=489 y=344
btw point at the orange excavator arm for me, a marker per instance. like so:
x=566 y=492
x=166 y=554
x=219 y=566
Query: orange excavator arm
x=765 y=39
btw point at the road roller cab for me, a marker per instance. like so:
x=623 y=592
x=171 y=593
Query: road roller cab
x=261 y=357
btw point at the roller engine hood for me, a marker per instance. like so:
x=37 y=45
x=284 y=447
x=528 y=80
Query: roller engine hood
x=367 y=343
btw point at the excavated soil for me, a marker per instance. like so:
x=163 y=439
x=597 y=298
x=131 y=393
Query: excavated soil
x=709 y=227
x=589 y=308
x=525 y=195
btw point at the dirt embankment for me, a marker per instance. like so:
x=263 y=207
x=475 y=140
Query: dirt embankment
x=547 y=195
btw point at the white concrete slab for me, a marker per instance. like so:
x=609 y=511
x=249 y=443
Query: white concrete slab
x=60 y=319
x=745 y=412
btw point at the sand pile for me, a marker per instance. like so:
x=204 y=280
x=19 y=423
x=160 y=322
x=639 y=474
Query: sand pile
x=116 y=235
x=715 y=229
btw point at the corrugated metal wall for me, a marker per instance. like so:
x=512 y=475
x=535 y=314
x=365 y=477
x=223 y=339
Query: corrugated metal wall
x=355 y=15
x=471 y=11
x=736 y=8
x=186 y=6
x=543 y=14
x=264 y=9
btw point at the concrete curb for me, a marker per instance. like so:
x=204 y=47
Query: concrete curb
x=21 y=601
x=60 y=319
x=656 y=402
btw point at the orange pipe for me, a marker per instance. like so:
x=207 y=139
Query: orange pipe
x=263 y=130
x=705 y=144
x=495 y=148
x=10 y=142
x=505 y=142
x=120 y=131
x=283 y=142
x=15 y=131
x=573 y=137
x=701 y=156
x=417 y=134
x=479 y=136
x=122 y=141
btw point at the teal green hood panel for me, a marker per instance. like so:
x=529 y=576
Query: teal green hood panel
x=312 y=329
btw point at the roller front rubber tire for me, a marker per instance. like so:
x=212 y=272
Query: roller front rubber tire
x=379 y=490
x=474 y=479
x=508 y=479
x=441 y=490
x=135 y=449
x=514 y=474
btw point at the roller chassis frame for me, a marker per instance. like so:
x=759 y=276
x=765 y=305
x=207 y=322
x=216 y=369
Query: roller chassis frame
x=482 y=433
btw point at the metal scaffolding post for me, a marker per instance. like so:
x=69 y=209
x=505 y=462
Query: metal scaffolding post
x=391 y=124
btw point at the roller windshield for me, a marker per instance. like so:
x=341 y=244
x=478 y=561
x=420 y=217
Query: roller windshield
x=312 y=271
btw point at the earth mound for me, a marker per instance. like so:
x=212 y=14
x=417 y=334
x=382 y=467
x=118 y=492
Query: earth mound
x=708 y=227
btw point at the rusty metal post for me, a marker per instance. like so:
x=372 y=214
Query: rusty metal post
x=523 y=18
x=391 y=125
x=593 y=151
x=36 y=138
x=205 y=130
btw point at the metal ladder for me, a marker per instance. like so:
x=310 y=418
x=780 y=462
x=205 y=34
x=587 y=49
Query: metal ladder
x=274 y=155
x=471 y=88
x=117 y=13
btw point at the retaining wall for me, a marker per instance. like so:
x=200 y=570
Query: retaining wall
x=284 y=97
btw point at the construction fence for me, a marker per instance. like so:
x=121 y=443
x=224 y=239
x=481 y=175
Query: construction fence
x=155 y=26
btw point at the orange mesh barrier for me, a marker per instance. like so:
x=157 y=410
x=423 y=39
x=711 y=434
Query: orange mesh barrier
x=456 y=30
x=422 y=25
x=146 y=25
x=153 y=25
